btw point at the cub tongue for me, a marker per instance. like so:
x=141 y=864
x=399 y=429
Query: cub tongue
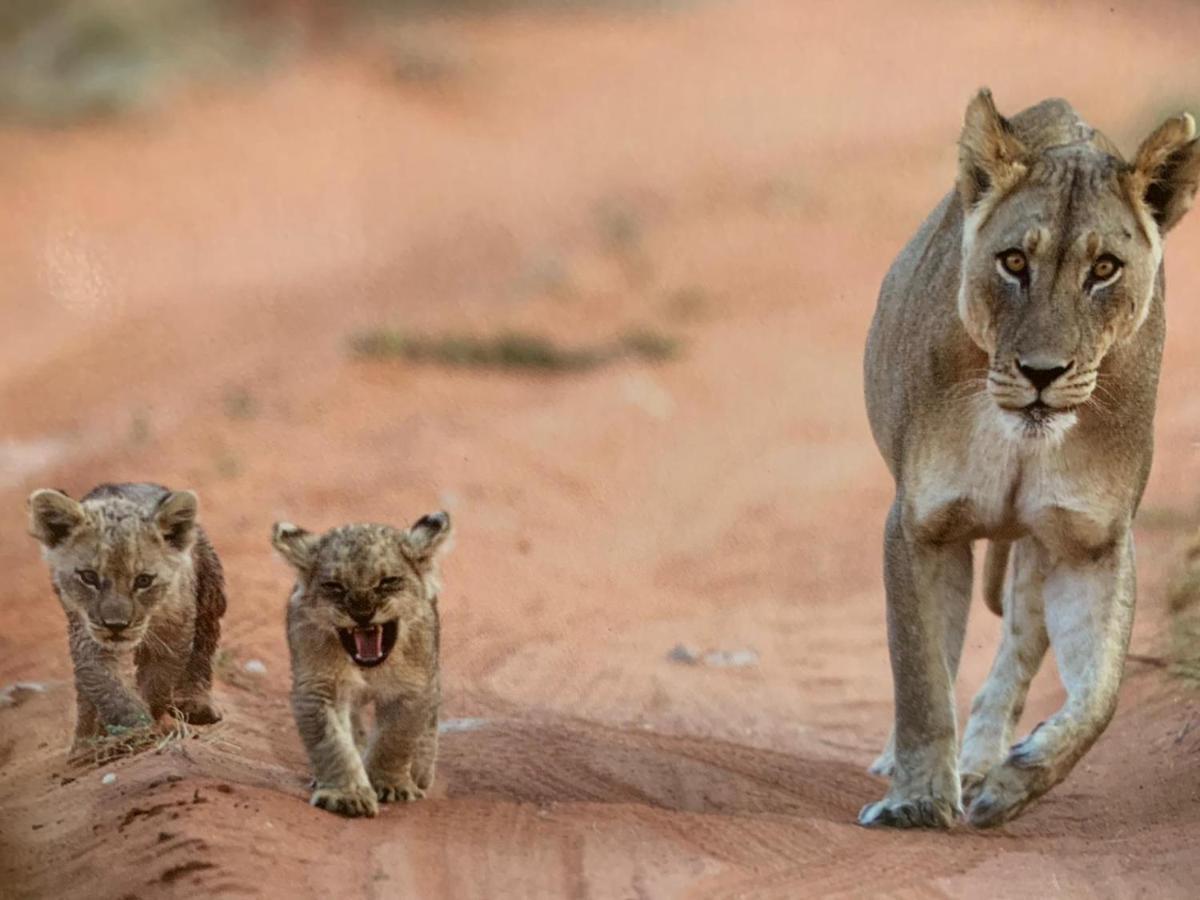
x=368 y=642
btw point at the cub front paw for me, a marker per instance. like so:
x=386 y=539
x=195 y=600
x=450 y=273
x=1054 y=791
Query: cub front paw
x=355 y=801
x=396 y=790
x=199 y=712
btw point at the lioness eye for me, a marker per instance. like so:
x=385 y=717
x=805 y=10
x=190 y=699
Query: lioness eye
x=143 y=581
x=1014 y=262
x=392 y=583
x=333 y=588
x=89 y=577
x=1105 y=267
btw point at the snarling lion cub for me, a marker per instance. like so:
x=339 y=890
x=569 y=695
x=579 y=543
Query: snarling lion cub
x=1011 y=372
x=362 y=626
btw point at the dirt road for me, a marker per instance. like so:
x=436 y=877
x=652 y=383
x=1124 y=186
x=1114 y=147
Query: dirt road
x=177 y=293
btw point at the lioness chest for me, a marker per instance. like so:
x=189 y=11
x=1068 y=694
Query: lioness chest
x=977 y=478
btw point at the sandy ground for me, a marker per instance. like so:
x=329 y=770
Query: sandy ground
x=176 y=295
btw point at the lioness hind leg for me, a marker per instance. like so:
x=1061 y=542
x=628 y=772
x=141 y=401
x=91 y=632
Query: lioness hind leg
x=1089 y=615
x=392 y=751
x=923 y=580
x=997 y=706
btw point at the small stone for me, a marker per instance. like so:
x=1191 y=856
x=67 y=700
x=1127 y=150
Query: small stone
x=255 y=667
x=109 y=778
x=682 y=653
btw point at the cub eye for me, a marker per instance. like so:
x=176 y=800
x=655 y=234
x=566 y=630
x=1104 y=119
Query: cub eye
x=333 y=588
x=1105 y=267
x=143 y=581
x=1014 y=262
x=391 y=584
x=88 y=577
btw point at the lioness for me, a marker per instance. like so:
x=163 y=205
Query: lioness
x=1011 y=371
x=139 y=582
x=362 y=625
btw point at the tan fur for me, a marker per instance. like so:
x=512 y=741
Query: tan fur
x=168 y=630
x=1016 y=405
x=354 y=575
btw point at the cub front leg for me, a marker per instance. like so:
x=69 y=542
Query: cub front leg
x=161 y=658
x=107 y=702
x=997 y=707
x=424 y=765
x=923 y=581
x=342 y=785
x=400 y=727
x=1089 y=615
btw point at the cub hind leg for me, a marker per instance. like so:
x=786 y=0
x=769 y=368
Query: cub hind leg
x=193 y=692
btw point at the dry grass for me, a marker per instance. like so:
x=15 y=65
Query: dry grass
x=512 y=350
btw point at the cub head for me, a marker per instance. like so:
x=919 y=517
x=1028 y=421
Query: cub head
x=113 y=560
x=1062 y=243
x=366 y=582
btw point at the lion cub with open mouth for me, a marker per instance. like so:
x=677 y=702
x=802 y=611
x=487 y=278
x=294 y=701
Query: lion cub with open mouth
x=362 y=626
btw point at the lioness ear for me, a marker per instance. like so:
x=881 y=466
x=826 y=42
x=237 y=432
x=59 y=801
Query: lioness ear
x=427 y=537
x=990 y=157
x=53 y=516
x=1166 y=170
x=295 y=545
x=175 y=518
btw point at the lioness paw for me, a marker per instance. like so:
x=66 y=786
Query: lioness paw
x=355 y=801
x=902 y=812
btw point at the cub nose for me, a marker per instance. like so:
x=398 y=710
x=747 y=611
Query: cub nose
x=1043 y=373
x=362 y=617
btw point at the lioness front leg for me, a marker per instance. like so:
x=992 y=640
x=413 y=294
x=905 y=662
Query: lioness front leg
x=399 y=727
x=342 y=785
x=1089 y=615
x=107 y=703
x=997 y=707
x=923 y=579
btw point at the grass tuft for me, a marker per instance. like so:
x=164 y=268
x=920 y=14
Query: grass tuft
x=511 y=350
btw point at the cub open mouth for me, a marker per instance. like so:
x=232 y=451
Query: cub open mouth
x=371 y=645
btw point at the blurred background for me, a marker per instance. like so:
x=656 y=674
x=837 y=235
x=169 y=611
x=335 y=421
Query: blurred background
x=595 y=277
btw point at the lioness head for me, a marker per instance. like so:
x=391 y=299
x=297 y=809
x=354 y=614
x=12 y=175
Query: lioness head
x=113 y=560
x=1062 y=244
x=366 y=582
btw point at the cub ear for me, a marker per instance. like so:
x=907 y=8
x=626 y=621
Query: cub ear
x=295 y=545
x=990 y=156
x=53 y=516
x=1166 y=170
x=175 y=518
x=427 y=537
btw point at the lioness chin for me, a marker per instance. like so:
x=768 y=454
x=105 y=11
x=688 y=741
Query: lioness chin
x=1011 y=372
x=362 y=627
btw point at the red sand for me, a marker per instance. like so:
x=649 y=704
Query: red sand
x=177 y=294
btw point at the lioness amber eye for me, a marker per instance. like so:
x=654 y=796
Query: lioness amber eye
x=89 y=577
x=1104 y=268
x=1014 y=262
x=143 y=581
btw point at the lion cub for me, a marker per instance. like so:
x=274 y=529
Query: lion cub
x=362 y=626
x=140 y=583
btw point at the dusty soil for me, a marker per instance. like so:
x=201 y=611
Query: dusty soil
x=177 y=294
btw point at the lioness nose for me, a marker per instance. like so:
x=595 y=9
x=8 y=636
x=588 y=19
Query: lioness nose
x=1043 y=373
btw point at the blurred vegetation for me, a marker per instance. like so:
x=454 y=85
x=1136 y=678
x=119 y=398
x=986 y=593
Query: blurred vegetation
x=66 y=60
x=512 y=350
